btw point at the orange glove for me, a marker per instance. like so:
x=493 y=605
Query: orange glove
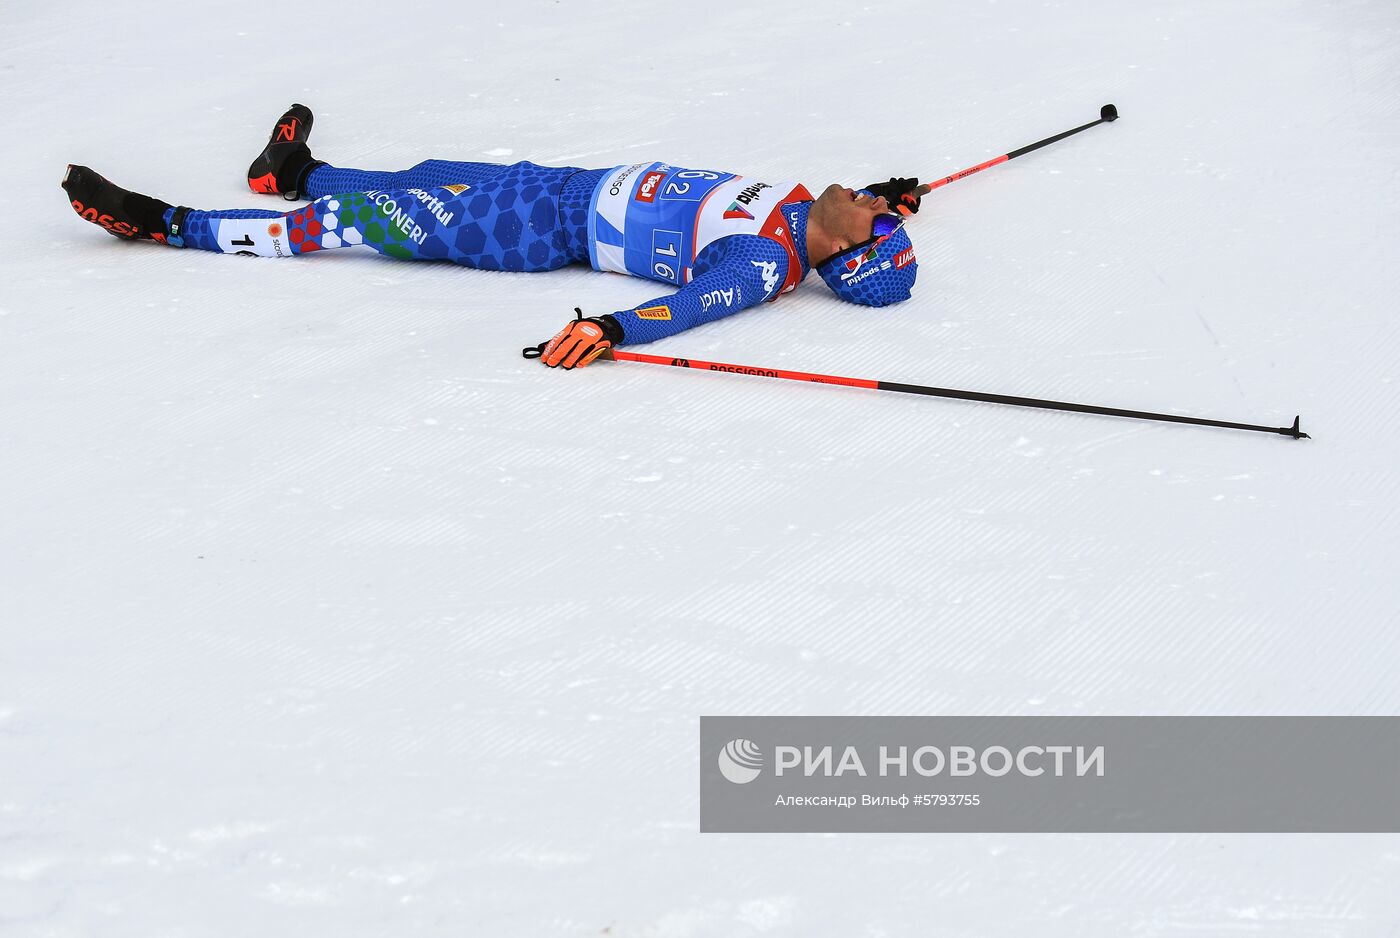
x=581 y=341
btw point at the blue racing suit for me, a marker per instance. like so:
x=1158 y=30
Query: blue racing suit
x=726 y=242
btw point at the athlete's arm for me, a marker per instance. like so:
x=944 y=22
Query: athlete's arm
x=731 y=274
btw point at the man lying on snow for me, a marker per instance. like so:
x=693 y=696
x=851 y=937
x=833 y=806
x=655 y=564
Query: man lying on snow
x=728 y=242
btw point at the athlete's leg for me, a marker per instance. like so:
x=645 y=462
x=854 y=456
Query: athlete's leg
x=429 y=174
x=413 y=224
x=286 y=167
x=509 y=223
x=134 y=216
x=409 y=225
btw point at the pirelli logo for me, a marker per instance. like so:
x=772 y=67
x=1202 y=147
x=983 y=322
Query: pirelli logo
x=654 y=312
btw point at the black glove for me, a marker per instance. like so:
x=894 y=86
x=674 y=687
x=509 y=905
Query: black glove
x=900 y=193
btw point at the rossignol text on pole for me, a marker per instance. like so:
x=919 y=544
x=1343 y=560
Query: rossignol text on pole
x=623 y=356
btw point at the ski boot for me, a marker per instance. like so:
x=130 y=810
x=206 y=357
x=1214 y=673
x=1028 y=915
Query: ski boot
x=286 y=161
x=123 y=214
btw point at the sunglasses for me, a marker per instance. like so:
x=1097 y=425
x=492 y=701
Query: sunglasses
x=880 y=230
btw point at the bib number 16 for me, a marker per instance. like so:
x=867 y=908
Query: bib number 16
x=665 y=255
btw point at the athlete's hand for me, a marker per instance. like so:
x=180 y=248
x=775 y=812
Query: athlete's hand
x=581 y=341
x=902 y=194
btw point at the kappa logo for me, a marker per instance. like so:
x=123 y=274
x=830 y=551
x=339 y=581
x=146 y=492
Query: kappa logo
x=646 y=192
x=769 y=270
x=904 y=259
x=654 y=313
x=736 y=210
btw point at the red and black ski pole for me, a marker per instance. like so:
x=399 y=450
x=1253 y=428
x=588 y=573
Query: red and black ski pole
x=624 y=356
x=1107 y=114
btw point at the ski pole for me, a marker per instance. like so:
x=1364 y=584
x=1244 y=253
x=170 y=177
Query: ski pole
x=623 y=356
x=1108 y=113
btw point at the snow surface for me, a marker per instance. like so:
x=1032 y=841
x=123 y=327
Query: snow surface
x=324 y=613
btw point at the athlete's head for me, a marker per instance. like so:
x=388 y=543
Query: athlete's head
x=852 y=247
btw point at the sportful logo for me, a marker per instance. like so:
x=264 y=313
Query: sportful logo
x=854 y=263
x=736 y=210
x=851 y=279
x=434 y=205
x=646 y=192
x=901 y=261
